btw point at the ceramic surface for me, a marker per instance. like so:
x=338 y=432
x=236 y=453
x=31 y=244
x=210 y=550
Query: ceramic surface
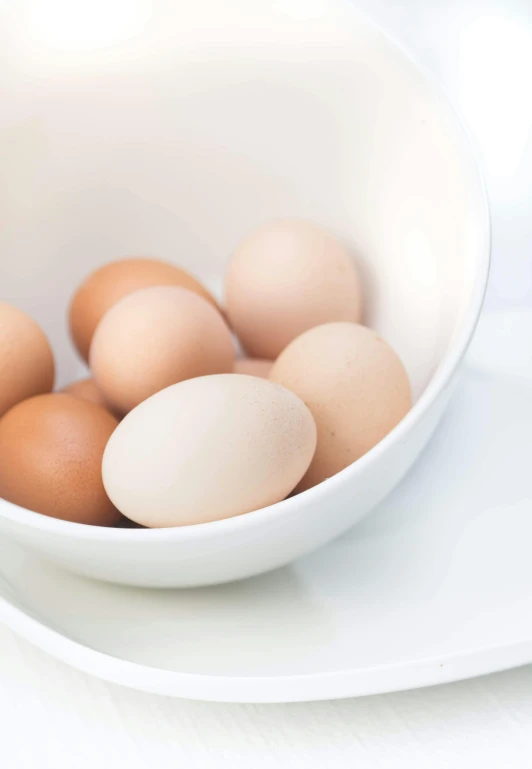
x=177 y=136
x=434 y=586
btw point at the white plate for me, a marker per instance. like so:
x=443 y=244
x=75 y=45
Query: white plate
x=434 y=586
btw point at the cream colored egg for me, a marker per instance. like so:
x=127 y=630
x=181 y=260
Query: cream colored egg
x=208 y=449
x=286 y=278
x=355 y=386
x=154 y=338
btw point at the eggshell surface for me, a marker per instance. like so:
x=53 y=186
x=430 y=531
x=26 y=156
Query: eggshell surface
x=253 y=367
x=208 y=449
x=26 y=359
x=87 y=390
x=154 y=338
x=107 y=285
x=355 y=386
x=51 y=449
x=286 y=278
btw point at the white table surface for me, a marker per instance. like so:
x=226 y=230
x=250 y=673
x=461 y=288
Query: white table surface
x=54 y=717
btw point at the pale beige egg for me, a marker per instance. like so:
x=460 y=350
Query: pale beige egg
x=208 y=449
x=285 y=278
x=354 y=384
x=154 y=338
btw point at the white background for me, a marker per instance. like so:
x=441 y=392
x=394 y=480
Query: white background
x=54 y=717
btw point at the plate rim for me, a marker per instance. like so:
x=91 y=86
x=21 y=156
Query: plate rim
x=308 y=687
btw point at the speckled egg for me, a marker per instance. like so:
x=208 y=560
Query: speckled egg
x=356 y=387
x=208 y=449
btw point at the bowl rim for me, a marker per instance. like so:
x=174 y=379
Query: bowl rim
x=437 y=384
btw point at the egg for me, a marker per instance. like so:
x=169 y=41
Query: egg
x=107 y=285
x=26 y=359
x=355 y=386
x=208 y=449
x=154 y=338
x=51 y=449
x=285 y=278
x=253 y=367
x=87 y=390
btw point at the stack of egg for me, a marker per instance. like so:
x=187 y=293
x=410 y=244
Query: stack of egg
x=172 y=430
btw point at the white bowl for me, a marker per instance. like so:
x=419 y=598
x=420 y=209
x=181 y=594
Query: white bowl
x=174 y=134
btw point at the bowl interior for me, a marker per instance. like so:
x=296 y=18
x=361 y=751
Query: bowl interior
x=171 y=129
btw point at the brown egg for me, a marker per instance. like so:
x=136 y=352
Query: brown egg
x=87 y=390
x=103 y=288
x=253 y=367
x=355 y=386
x=51 y=449
x=26 y=359
x=155 y=338
x=285 y=278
